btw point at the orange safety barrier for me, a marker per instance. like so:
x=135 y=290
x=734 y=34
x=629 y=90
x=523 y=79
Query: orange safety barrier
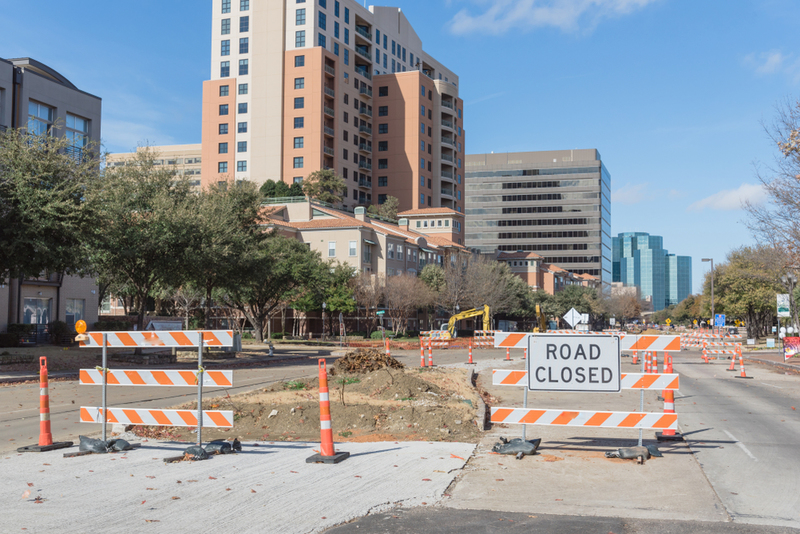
x=421 y=353
x=327 y=453
x=430 y=353
x=470 y=362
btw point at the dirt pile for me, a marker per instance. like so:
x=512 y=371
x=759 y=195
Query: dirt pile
x=388 y=404
x=365 y=361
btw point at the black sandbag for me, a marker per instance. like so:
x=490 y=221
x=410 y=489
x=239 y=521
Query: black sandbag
x=92 y=445
x=516 y=446
x=196 y=452
x=629 y=453
x=219 y=447
x=118 y=445
x=654 y=452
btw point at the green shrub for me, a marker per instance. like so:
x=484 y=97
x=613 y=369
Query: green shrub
x=21 y=329
x=376 y=335
x=58 y=329
x=278 y=335
x=9 y=340
x=247 y=335
x=356 y=334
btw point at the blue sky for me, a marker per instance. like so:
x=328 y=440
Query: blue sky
x=672 y=92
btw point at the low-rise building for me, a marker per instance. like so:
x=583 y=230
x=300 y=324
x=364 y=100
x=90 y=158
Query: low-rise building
x=186 y=159
x=543 y=276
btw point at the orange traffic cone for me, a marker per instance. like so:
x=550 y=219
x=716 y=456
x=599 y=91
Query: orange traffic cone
x=635 y=359
x=45 y=435
x=508 y=354
x=430 y=353
x=470 y=362
x=327 y=454
x=741 y=366
x=421 y=353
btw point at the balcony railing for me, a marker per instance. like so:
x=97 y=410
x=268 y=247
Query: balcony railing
x=364 y=32
x=329 y=111
x=364 y=72
x=365 y=129
x=445 y=157
x=329 y=131
x=447 y=124
x=447 y=104
x=363 y=53
x=365 y=91
x=448 y=192
x=448 y=141
x=328 y=151
x=330 y=92
x=364 y=165
x=365 y=183
x=365 y=148
x=330 y=70
x=447 y=174
x=365 y=111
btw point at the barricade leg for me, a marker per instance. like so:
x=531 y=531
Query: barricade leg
x=45 y=435
x=421 y=353
x=327 y=453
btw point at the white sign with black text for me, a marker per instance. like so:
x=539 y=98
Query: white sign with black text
x=574 y=363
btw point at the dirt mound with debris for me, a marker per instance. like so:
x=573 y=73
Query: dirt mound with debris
x=394 y=405
x=365 y=361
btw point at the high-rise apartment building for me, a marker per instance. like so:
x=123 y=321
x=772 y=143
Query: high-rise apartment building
x=554 y=203
x=328 y=84
x=640 y=259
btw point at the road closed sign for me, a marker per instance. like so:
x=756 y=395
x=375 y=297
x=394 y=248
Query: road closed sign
x=574 y=363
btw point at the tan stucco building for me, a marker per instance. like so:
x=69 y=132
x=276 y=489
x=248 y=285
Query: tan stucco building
x=186 y=159
x=543 y=276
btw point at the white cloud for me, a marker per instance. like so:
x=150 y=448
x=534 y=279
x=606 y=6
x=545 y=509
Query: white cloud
x=631 y=194
x=568 y=15
x=731 y=199
x=774 y=62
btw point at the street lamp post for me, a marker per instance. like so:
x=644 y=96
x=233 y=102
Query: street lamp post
x=713 y=317
x=789 y=280
x=323 y=319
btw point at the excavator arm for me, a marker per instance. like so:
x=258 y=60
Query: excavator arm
x=475 y=312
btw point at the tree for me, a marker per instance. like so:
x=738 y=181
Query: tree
x=368 y=290
x=296 y=190
x=488 y=282
x=387 y=210
x=583 y=299
x=624 y=307
x=271 y=189
x=267 y=277
x=331 y=285
x=324 y=186
x=145 y=227
x=403 y=295
x=43 y=213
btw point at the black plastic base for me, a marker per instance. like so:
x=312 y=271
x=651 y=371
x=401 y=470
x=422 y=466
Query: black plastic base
x=662 y=437
x=730 y=369
x=740 y=376
x=45 y=448
x=471 y=363
x=335 y=459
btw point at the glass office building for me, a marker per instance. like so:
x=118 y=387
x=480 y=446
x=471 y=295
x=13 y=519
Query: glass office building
x=640 y=259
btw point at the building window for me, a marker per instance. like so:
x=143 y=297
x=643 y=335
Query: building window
x=223 y=129
x=346 y=59
x=383 y=181
x=241 y=166
x=422 y=145
x=383 y=111
x=226 y=6
x=383 y=128
x=243 y=108
x=422 y=181
x=244 y=45
x=297 y=180
x=223 y=148
x=76 y=310
x=299 y=103
x=298 y=122
x=244 y=5
x=382 y=199
x=336 y=8
x=383 y=163
x=300 y=17
x=422 y=163
x=422 y=88
x=383 y=91
x=346 y=36
x=222 y=167
x=223 y=109
x=225 y=49
x=242 y=127
x=353 y=244
x=242 y=88
x=299 y=40
x=298 y=162
x=241 y=146
x=321 y=41
x=226 y=26
x=300 y=61
x=223 y=90
x=331 y=249
x=383 y=146
x=244 y=24
x=422 y=110
x=422 y=202
x=323 y=21
x=298 y=142
x=336 y=49
x=244 y=67
x=336 y=29
x=299 y=83
x=390 y=250
x=224 y=69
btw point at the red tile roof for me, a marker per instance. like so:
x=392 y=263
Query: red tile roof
x=518 y=256
x=429 y=211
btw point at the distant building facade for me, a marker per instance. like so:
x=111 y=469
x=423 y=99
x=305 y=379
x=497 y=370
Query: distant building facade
x=554 y=203
x=36 y=97
x=186 y=159
x=640 y=259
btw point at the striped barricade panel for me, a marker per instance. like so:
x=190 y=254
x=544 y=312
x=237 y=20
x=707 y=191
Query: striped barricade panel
x=652 y=343
x=118 y=377
x=720 y=351
x=183 y=338
x=657 y=381
x=156 y=417
x=586 y=419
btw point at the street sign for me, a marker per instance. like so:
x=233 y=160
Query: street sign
x=783 y=305
x=669 y=322
x=695 y=321
x=612 y=321
x=573 y=318
x=585 y=318
x=574 y=363
x=719 y=319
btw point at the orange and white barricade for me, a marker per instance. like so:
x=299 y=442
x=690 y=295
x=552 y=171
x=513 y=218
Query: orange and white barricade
x=585 y=418
x=139 y=416
x=484 y=338
x=119 y=377
x=188 y=339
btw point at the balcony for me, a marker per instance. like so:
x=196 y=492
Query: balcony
x=363 y=52
x=365 y=111
x=364 y=32
x=364 y=72
x=328 y=151
x=365 y=91
x=330 y=70
x=446 y=104
x=365 y=183
x=329 y=131
x=363 y=147
x=447 y=175
x=330 y=92
x=448 y=141
x=329 y=111
x=365 y=129
x=448 y=193
x=447 y=124
x=364 y=165
x=445 y=157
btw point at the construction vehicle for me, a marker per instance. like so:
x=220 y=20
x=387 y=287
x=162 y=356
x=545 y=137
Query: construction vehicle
x=474 y=312
x=541 y=321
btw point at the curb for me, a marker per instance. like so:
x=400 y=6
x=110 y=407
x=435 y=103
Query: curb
x=776 y=364
x=480 y=420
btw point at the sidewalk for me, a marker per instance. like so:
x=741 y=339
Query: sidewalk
x=773 y=358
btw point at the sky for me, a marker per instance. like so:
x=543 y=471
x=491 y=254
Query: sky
x=675 y=94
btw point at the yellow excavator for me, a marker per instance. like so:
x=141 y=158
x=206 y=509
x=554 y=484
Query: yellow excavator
x=541 y=321
x=475 y=312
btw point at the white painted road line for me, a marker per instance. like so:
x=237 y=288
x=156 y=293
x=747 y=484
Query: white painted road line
x=741 y=446
x=770 y=385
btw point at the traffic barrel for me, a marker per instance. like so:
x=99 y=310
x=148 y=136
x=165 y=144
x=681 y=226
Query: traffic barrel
x=421 y=353
x=635 y=359
x=327 y=454
x=470 y=362
x=45 y=435
x=430 y=352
